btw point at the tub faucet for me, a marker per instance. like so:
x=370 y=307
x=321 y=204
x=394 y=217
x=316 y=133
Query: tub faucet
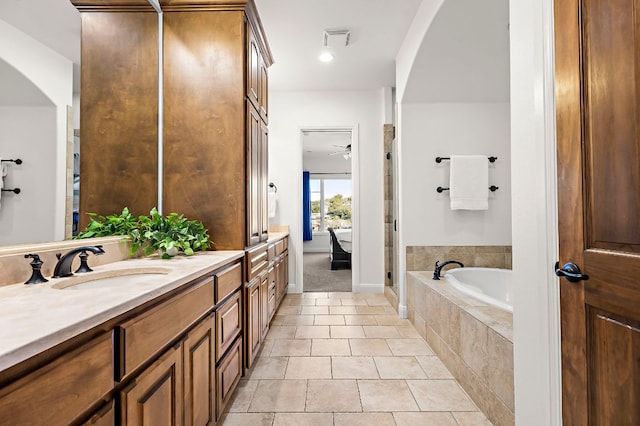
x=438 y=268
x=63 y=267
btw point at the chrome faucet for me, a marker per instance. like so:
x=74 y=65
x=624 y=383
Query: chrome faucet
x=63 y=267
x=438 y=269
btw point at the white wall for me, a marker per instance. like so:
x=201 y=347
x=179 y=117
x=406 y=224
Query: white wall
x=432 y=130
x=53 y=75
x=28 y=217
x=291 y=111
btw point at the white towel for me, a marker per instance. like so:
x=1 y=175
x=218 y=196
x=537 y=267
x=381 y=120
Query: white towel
x=271 y=203
x=469 y=182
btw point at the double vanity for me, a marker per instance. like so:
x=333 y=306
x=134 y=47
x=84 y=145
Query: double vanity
x=138 y=341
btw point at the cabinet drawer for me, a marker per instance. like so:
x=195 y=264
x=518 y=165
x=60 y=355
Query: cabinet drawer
x=279 y=247
x=228 y=324
x=257 y=261
x=228 y=375
x=146 y=334
x=227 y=281
x=271 y=251
x=62 y=390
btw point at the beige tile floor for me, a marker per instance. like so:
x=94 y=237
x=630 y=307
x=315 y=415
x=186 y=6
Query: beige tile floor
x=347 y=359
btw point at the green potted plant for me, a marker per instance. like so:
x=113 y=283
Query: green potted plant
x=168 y=235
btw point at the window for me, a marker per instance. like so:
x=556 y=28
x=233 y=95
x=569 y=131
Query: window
x=330 y=203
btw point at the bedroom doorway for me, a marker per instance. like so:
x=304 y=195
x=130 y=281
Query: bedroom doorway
x=327 y=210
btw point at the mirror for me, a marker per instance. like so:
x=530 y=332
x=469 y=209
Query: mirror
x=37 y=88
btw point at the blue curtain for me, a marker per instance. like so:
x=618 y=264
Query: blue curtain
x=306 y=208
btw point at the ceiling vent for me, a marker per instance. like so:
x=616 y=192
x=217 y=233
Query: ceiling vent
x=336 y=38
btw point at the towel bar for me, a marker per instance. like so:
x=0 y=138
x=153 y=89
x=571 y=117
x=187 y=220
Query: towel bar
x=14 y=190
x=492 y=188
x=439 y=159
x=17 y=161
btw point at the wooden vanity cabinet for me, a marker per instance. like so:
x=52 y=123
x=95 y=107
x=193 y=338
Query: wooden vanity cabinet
x=155 y=395
x=63 y=389
x=175 y=360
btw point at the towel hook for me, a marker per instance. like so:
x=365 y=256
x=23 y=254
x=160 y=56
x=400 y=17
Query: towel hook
x=273 y=185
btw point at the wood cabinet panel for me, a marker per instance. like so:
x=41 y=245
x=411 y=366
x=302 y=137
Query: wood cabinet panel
x=204 y=122
x=264 y=91
x=63 y=389
x=254 y=179
x=199 y=374
x=228 y=324
x=105 y=416
x=119 y=84
x=228 y=375
x=253 y=68
x=264 y=306
x=253 y=331
x=227 y=281
x=146 y=334
x=263 y=171
x=155 y=397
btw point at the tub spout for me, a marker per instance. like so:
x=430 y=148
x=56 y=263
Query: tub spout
x=439 y=266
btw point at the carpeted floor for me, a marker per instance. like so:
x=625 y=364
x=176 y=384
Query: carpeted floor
x=318 y=275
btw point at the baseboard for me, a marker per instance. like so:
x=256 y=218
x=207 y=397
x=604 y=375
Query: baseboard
x=316 y=250
x=403 y=312
x=292 y=289
x=370 y=288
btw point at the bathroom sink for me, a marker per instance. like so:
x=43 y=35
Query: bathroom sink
x=111 y=278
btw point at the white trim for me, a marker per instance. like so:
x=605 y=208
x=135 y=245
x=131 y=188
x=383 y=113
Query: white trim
x=355 y=209
x=371 y=288
x=402 y=248
x=555 y=357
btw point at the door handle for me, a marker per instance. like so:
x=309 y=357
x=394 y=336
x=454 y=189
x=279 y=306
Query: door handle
x=571 y=272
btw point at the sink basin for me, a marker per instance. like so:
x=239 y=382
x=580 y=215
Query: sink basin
x=111 y=278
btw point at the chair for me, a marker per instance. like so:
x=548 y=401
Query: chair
x=339 y=256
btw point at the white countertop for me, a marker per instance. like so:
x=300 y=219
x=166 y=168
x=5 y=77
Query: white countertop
x=276 y=236
x=34 y=318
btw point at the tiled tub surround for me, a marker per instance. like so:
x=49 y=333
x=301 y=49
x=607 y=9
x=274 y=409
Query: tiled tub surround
x=474 y=341
x=423 y=258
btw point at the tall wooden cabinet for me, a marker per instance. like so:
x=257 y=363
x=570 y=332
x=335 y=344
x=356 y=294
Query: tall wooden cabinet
x=215 y=113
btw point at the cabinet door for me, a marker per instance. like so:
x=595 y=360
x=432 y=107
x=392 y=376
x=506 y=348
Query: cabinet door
x=199 y=374
x=264 y=184
x=264 y=305
x=228 y=324
x=264 y=91
x=254 y=176
x=105 y=416
x=155 y=397
x=253 y=71
x=253 y=321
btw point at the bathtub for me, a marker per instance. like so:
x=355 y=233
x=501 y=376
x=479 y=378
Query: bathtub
x=489 y=285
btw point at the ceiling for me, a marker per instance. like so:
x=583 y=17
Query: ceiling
x=294 y=29
x=463 y=58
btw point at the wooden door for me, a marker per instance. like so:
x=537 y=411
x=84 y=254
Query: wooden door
x=598 y=114
x=254 y=176
x=199 y=374
x=253 y=68
x=155 y=398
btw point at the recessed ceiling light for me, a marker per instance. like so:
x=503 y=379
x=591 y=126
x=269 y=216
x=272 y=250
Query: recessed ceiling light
x=326 y=57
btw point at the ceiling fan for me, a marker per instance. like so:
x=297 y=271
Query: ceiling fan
x=344 y=150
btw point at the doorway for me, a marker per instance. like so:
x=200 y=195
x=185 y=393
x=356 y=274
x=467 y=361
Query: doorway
x=328 y=214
